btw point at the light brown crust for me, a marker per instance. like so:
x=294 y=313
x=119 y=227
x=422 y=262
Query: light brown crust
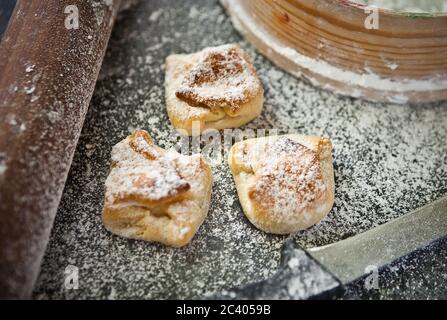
x=141 y=142
x=216 y=88
x=225 y=66
x=285 y=184
x=156 y=195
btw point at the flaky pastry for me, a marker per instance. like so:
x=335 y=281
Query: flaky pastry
x=285 y=183
x=156 y=195
x=216 y=88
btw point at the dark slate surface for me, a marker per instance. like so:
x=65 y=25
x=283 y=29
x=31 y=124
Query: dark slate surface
x=421 y=275
x=6 y=8
x=299 y=277
x=388 y=160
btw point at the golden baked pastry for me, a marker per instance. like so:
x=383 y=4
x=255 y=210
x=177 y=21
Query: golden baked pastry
x=216 y=88
x=285 y=183
x=156 y=195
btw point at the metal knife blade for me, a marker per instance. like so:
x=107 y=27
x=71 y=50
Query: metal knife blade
x=349 y=259
x=320 y=273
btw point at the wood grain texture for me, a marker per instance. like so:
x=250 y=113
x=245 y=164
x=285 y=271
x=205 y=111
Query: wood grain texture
x=47 y=77
x=405 y=48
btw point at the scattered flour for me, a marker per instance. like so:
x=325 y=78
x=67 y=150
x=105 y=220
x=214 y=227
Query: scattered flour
x=155 y=15
x=389 y=152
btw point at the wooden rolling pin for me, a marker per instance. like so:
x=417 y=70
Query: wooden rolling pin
x=49 y=65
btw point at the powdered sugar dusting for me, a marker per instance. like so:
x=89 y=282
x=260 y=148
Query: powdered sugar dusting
x=388 y=159
x=408 y=5
x=135 y=175
x=288 y=177
x=224 y=76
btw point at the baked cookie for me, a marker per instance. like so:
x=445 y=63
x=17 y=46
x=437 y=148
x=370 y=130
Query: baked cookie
x=285 y=183
x=156 y=195
x=216 y=88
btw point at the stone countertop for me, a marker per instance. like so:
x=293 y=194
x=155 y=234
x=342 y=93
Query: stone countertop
x=388 y=159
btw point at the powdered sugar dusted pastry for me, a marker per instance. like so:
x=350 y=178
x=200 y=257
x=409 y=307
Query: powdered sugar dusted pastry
x=285 y=183
x=216 y=88
x=155 y=195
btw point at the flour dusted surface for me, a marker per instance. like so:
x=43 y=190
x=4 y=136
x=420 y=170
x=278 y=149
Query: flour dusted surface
x=388 y=159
